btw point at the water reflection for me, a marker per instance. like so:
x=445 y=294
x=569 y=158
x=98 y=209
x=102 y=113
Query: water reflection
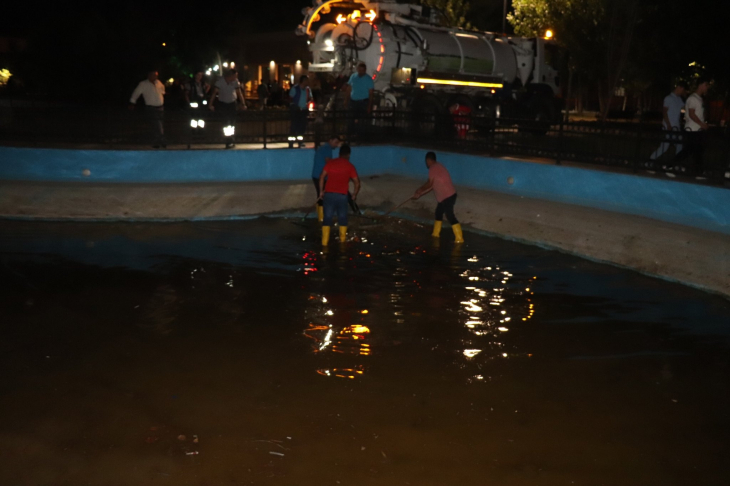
x=460 y=291
x=333 y=332
x=488 y=310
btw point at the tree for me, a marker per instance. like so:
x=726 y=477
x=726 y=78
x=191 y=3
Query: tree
x=454 y=11
x=596 y=33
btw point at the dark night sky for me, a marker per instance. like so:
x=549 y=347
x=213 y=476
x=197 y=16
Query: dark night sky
x=258 y=15
x=118 y=41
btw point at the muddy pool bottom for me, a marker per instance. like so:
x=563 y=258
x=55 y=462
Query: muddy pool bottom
x=236 y=353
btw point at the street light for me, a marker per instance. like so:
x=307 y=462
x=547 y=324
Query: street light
x=548 y=34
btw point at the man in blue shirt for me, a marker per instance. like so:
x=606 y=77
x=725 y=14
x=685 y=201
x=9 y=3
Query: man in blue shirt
x=322 y=155
x=300 y=97
x=360 y=89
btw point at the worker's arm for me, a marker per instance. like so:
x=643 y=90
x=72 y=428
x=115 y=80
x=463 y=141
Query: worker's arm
x=322 y=177
x=212 y=99
x=356 y=180
x=240 y=96
x=424 y=189
x=136 y=94
x=667 y=123
x=697 y=120
x=370 y=100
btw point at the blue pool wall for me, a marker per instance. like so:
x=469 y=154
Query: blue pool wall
x=672 y=201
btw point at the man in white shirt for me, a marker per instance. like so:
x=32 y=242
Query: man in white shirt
x=673 y=105
x=695 y=126
x=229 y=93
x=153 y=93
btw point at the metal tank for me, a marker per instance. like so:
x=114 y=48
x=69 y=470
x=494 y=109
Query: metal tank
x=404 y=47
x=380 y=35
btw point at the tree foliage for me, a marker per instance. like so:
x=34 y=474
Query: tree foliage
x=596 y=33
x=455 y=12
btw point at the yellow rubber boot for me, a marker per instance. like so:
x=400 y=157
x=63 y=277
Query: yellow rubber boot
x=325 y=235
x=436 y=229
x=343 y=234
x=320 y=213
x=458 y=235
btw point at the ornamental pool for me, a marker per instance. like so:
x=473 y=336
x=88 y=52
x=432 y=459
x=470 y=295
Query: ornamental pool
x=237 y=353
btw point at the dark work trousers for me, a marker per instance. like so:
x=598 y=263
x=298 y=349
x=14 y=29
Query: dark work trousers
x=696 y=149
x=358 y=112
x=350 y=201
x=447 y=207
x=227 y=114
x=156 y=119
x=298 y=121
x=335 y=204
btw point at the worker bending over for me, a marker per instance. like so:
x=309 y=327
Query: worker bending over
x=439 y=181
x=338 y=173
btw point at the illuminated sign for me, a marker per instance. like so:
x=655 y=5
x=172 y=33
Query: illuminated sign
x=356 y=14
x=453 y=82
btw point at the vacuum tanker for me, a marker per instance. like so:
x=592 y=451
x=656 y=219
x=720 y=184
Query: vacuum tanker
x=416 y=62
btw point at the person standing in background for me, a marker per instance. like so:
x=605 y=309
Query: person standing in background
x=153 y=93
x=196 y=90
x=671 y=122
x=300 y=95
x=695 y=125
x=263 y=91
x=359 y=89
x=228 y=89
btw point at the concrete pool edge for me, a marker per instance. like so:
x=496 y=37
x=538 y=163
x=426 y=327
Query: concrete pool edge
x=682 y=203
x=691 y=256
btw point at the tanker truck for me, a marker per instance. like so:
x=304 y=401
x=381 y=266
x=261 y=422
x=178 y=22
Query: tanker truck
x=421 y=65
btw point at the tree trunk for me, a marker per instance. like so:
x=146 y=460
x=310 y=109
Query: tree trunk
x=621 y=29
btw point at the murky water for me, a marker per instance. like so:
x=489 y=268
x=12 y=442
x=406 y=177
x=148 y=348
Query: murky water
x=237 y=353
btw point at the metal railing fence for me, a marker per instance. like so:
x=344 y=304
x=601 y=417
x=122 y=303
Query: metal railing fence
x=629 y=146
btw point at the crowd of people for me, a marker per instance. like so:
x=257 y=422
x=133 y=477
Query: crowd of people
x=225 y=98
x=683 y=123
x=685 y=140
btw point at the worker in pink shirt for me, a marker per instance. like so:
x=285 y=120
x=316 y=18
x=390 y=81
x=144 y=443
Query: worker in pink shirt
x=439 y=181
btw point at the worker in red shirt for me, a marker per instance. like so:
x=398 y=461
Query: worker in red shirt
x=337 y=173
x=439 y=181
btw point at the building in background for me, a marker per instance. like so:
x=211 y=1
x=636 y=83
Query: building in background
x=278 y=58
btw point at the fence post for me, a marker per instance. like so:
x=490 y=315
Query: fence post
x=559 y=153
x=108 y=130
x=334 y=120
x=637 y=155
x=393 y=123
x=263 y=117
